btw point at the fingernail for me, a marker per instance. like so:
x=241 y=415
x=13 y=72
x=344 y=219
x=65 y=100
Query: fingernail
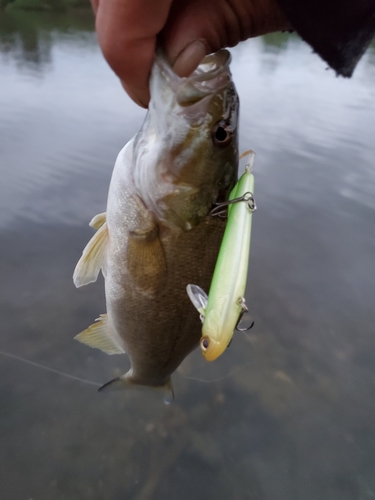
x=140 y=100
x=189 y=58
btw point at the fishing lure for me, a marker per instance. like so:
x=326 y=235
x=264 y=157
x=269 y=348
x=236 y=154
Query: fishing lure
x=222 y=310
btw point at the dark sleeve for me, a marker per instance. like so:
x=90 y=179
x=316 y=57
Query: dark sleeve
x=338 y=30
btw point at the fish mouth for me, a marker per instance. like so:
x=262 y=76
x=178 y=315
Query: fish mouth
x=212 y=75
x=212 y=66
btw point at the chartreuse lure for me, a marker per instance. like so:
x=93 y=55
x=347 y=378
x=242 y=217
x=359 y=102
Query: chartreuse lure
x=222 y=310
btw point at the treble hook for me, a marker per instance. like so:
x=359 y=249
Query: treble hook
x=244 y=310
x=220 y=209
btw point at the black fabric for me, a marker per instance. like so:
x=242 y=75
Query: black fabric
x=338 y=30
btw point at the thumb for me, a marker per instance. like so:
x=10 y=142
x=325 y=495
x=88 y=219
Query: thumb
x=196 y=28
x=127 y=33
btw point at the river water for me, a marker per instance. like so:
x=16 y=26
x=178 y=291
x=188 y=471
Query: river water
x=288 y=413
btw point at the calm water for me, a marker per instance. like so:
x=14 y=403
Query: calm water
x=288 y=413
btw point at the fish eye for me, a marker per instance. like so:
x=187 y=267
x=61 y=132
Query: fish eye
x=204 y=343
x=222 y=134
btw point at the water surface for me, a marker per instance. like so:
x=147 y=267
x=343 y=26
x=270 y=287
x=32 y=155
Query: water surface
x=288 y=412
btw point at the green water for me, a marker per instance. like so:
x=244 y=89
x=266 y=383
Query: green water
x=288 y=412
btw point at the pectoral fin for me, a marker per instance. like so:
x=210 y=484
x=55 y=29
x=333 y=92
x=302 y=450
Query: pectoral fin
x=101 y=336
x=145 y=259
x=92 y=260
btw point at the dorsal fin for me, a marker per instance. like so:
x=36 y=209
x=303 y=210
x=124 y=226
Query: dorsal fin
x=92 y=260
x=101 y=336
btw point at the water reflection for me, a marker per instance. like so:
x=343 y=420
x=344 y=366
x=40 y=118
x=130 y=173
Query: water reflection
x=293 y=416
x=27 y=37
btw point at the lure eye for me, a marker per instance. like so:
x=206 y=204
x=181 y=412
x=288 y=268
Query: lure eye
x=204 y=343
x=222 y=134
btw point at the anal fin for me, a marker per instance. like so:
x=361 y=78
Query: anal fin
x=101 y=336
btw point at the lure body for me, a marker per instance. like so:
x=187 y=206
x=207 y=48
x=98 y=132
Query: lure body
x=225 y=301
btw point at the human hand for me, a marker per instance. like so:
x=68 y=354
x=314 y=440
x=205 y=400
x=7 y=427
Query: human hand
x=128 y=31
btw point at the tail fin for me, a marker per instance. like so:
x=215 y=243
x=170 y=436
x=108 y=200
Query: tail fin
x=125 y=382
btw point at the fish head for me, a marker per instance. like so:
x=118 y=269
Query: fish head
x=186 y=154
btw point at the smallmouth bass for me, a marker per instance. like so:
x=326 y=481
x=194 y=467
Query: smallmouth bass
x=157 y=235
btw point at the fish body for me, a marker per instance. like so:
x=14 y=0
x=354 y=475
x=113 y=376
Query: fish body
x=157 y=234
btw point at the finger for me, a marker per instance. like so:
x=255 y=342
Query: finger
x=127 y=31
x=215 y=24
x=95 y=5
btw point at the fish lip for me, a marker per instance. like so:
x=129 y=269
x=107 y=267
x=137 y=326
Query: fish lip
x=212 y=75
x=212 y=66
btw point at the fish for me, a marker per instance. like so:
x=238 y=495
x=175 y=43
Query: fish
x=157 y=234
x=222 y=309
